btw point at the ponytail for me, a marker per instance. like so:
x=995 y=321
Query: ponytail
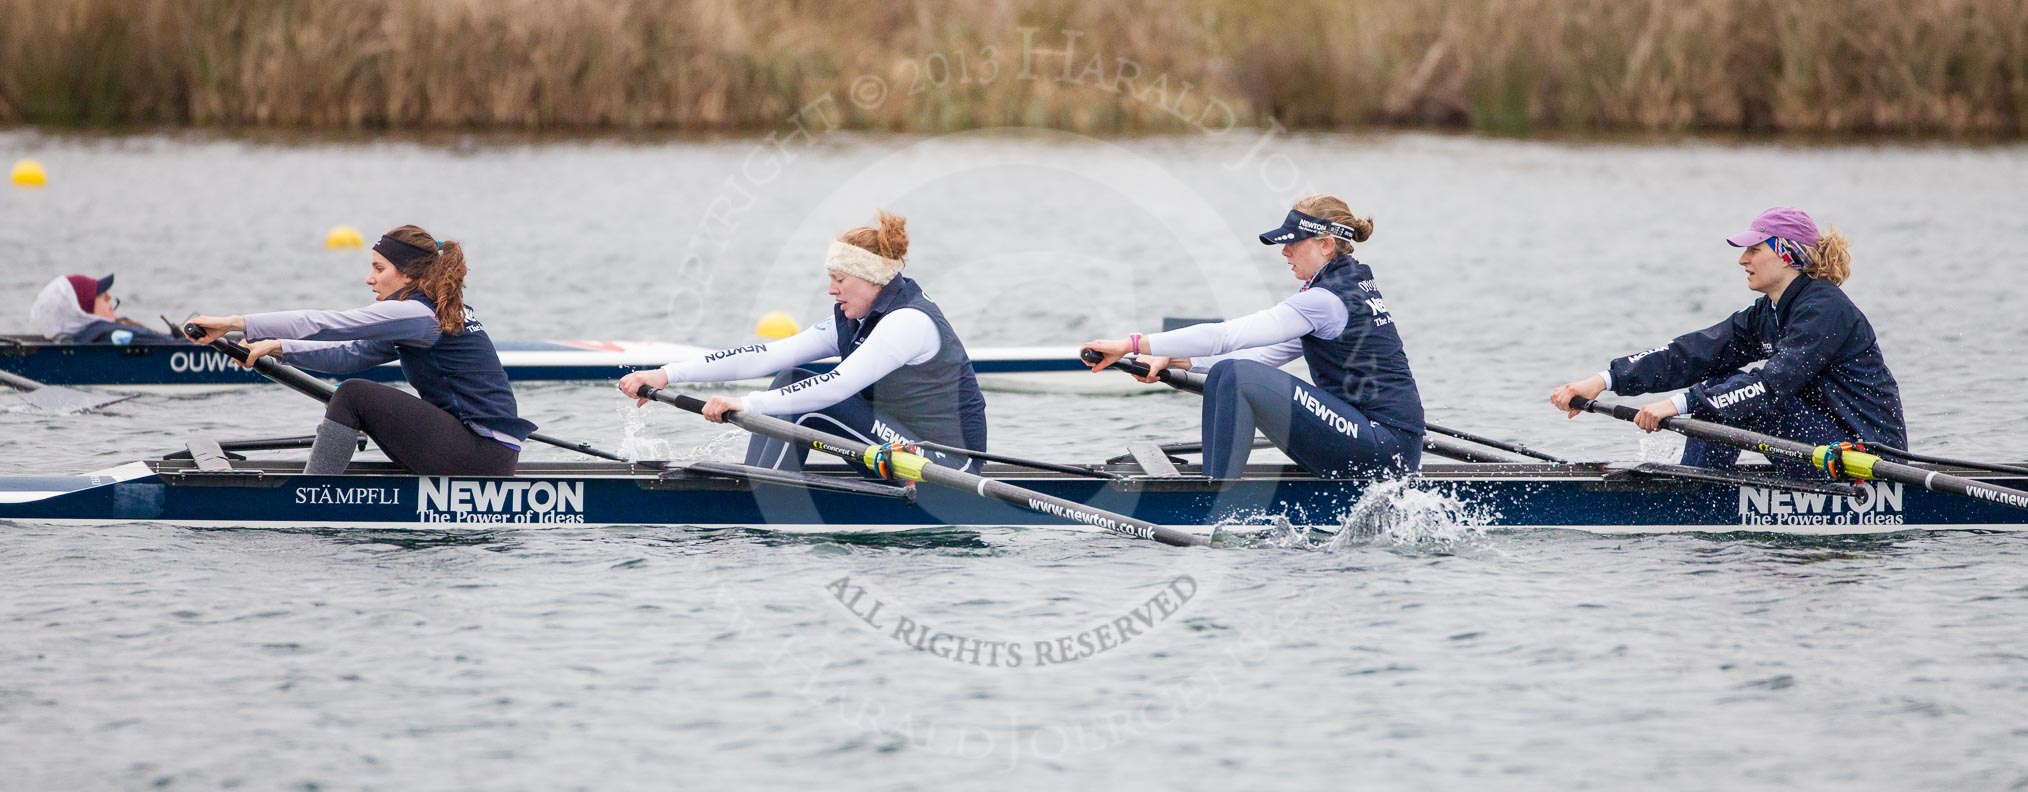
x=1832 y=260
x=889 y=240
x=440 y=277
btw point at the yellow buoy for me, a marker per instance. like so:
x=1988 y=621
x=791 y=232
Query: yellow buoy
x=342 y=237
x=28 y=173
x=775 y=326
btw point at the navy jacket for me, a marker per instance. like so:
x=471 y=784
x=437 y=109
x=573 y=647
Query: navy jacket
x=110 y=332
x=461 y=373
x=1366 y=364
x=1819 y=349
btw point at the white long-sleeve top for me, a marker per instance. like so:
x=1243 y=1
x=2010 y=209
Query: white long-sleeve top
x=1273 y=336
x=904 y=337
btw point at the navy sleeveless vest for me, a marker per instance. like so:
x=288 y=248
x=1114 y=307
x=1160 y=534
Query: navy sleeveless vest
x=939 y=398
x=1366 y=364
x=461 y=373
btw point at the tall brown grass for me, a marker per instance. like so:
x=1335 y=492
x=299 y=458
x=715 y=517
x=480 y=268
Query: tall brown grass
x=1949 y=67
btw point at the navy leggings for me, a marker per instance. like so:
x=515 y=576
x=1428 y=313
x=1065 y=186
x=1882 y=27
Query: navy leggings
x=1791 y=419
x=854 y=418
x=1316 y=429
x=416 y=434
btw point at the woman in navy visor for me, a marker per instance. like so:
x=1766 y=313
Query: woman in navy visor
x=1359 y=415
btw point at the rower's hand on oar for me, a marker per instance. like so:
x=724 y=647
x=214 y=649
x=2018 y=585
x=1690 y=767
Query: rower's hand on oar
x=215 y=327
x=1589 y=387
x=1157 y=364
x=715 y=410
x=1651 y=416
x=260 y=349
x=1110 y=351
x=653 y=378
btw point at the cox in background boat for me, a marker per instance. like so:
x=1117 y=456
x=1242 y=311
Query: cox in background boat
x=463 y=420
x=1825 y=380
x=80 y=309
x=903 y=373
x=1363 y=416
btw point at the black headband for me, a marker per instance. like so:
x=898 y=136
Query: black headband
x=402 y=254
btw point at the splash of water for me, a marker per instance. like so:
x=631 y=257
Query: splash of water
x=1402 y=513
x=1661 y=447
x=1408 y=513
x=636 y=445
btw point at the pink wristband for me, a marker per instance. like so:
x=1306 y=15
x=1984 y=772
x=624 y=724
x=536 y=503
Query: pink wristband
x=1134 y=341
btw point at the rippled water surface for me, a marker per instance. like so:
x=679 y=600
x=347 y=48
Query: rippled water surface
x=1431 y=656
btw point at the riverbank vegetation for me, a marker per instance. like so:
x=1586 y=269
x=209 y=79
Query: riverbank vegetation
x=1936 y=68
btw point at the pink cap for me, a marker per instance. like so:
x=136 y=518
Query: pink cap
x=88 y=289
x=1786 y=222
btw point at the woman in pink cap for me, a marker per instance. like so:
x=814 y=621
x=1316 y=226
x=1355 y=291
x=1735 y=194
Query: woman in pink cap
x=1825 y=380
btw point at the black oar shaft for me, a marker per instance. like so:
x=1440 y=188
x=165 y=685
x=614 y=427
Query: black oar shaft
x=1858 y=464
x=294 y=379
x=1937 y=460
x=932 y=473
x=289 y=376
x=1511 y=448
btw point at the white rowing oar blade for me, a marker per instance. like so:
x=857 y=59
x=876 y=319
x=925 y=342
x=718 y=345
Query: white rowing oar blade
x=56 y=398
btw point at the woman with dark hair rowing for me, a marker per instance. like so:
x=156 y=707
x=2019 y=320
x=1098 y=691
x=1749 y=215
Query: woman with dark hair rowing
x=465 y=422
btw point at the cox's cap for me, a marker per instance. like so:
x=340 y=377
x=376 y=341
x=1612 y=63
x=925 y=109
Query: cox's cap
x=1297 y=227
x=1782 y=221
x=89 y=289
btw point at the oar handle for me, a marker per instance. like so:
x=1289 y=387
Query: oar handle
x=1620 y=411
x=682 y=400
x=1180 y=380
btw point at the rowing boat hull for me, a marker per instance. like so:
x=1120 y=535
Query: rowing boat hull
x=560 y=495
x=183 y=365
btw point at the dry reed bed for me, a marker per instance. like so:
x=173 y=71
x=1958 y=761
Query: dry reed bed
x=1808 y=66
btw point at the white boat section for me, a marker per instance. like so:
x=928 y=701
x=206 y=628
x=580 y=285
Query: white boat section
x=60 y=485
